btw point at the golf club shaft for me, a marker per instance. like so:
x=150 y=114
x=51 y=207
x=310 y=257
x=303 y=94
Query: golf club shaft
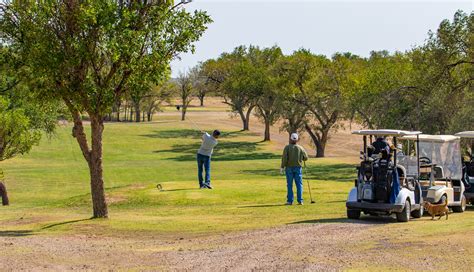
x=309 y=187
x=195 y=125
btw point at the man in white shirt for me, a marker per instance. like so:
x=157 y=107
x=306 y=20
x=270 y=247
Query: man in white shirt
x=204 y=158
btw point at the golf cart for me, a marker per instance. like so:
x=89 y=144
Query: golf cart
x=384 y=187
x=439 y=161
x=468 y=167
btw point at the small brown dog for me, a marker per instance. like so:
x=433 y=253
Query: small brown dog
x=437 y=209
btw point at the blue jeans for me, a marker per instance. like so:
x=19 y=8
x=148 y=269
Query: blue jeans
x=204 y=161
x=296 y=174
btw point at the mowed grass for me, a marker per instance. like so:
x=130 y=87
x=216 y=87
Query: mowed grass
x=49 y=188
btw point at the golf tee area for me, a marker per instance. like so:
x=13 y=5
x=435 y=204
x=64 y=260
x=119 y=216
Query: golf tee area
x=160 y=220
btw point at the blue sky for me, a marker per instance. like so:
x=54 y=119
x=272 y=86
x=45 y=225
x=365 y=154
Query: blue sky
x=324 y=27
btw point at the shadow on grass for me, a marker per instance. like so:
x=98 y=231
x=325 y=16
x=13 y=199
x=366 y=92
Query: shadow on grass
x=336 y=172
x=64 y=223
x=183 y=189
x=368 y=220
x=15 y=233
x=188 y=134
x=263 y=206
x=225 y=151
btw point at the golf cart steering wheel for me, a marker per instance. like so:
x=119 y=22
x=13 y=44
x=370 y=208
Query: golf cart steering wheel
x=425 y=160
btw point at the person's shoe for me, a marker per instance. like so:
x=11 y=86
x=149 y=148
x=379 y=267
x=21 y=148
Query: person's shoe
x=300 y=203
x=288 y=203
x=208 y=186
x=203 y=187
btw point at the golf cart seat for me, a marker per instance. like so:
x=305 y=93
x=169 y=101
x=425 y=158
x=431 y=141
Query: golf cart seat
x=402 y=174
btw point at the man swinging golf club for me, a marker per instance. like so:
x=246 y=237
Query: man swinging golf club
x=291 y=162
x=204 y=157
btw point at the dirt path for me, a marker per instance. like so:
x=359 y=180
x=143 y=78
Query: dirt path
x=300 y=247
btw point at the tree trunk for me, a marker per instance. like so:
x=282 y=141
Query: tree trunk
x=183 y=113
x=245 y=122
x=96 y=171
x=201 y=99
x=320 y=150
x=118 y=112
x=319 y=142
x=267 y=131
x=93 y=157
x=247 y=116
x=4 y=195
x=125 y=112
x=137 y=113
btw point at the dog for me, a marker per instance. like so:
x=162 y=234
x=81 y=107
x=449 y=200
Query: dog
x=437 y=209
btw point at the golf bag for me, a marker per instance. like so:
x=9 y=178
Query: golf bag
x=382 y=180
x=3 y=194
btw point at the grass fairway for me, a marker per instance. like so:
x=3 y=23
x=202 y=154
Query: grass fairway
x=49 y=188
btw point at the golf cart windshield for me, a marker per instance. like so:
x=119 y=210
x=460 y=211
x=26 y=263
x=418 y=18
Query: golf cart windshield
x=444 y=151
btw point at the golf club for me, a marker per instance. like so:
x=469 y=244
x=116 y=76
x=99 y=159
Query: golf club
x=194 y=124
x=309 y=187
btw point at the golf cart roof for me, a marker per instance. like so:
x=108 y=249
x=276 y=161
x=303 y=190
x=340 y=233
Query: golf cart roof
x=465 y=134
x=433 y=138
x=385 y=132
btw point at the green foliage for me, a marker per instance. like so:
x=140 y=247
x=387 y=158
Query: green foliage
x=17 y=133
x=90 y=53
x=23 y=116
x=429 y=88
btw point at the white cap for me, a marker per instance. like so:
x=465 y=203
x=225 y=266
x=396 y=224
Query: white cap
x=294 y=137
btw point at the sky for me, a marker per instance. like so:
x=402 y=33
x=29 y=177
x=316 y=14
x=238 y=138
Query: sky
x=324 y=27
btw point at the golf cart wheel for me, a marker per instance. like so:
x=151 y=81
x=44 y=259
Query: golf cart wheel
x=462 y=208
x=353 y=214
x=404 y=216
x=418 y=213
x=443 y=199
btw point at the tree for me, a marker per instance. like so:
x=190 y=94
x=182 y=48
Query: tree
x=321 y=86
x=159 y=94
x=137 y=93
x=265 y=79
x=202 y=85
x=409 y=90
x=87 y=54
x=230 y=76
x=294 y=115
x=23 y=117
x=185 y=91
x=382 y=91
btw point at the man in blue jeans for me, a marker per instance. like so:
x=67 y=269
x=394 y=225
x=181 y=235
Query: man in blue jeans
x=291 y=162
x=204 y=157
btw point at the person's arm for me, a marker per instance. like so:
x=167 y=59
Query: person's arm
x=204 y=135
x=304 y=154
x=284 y=157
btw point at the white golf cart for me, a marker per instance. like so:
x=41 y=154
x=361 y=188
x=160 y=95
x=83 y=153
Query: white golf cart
x=384 y=187
x=439 y=161
x=468 y=167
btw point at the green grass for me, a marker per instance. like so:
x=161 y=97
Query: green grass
x=50 y=186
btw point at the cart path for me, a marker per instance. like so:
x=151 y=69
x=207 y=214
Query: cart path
x=302 y=247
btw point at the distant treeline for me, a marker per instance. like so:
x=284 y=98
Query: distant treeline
x=428 y=88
